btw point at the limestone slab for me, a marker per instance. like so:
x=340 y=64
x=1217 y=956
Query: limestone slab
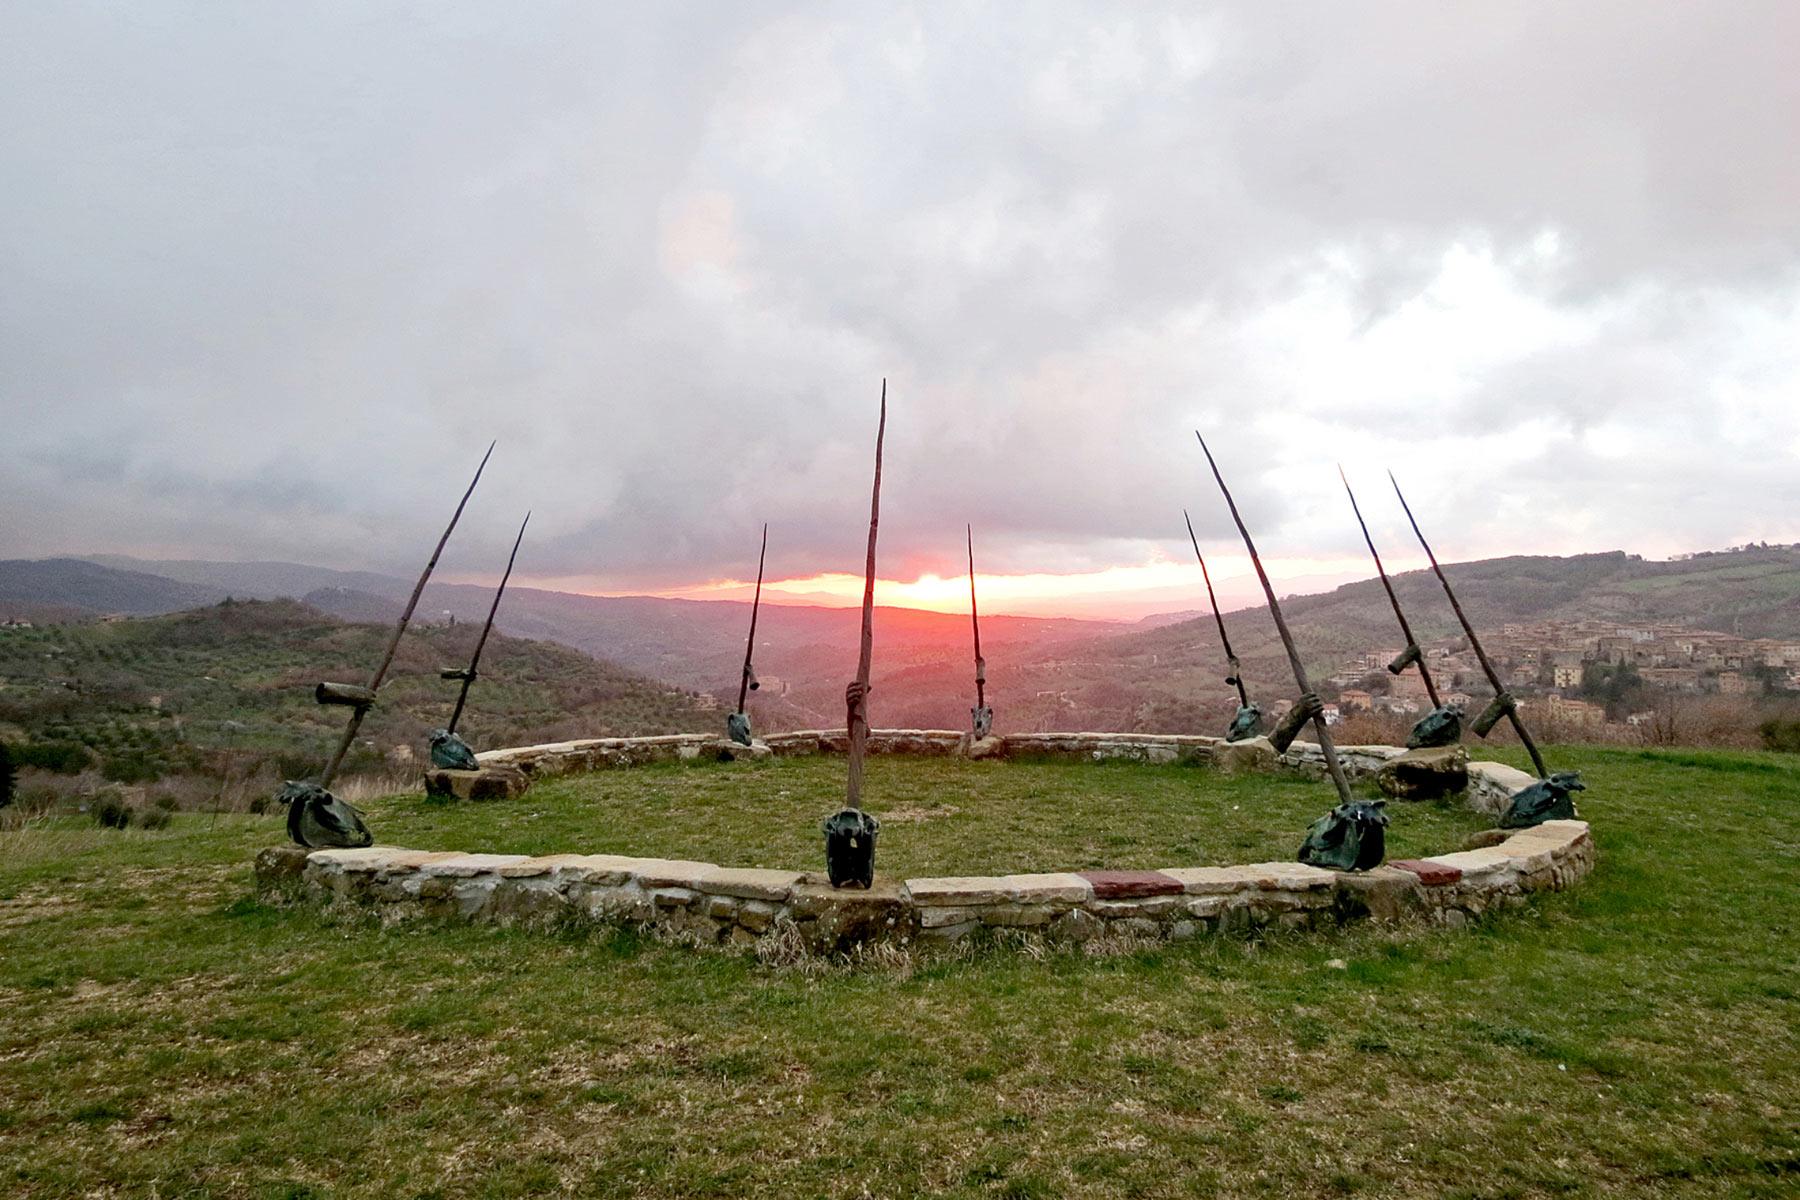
x=544 y=865
x=1199 y=881
x=750 y=883
x=957 y=890
x=1290 y=876
x=360 y=858
x=1476 y=862
x=1049 y=888
x=465 y=866
x=672 y=872
x=602 y=870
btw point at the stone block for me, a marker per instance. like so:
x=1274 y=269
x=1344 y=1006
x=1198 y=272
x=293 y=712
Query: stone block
x=1076 y=926
x=1251 y=754
x=362 y=858
x=1425 y=773
x=1124 y=885
x=1492 y=785
x=937 y=917
x=464 y=866
x=992 y=746
x=495 y=782
x=601 y=870
x=1207 y=907
x=749 y=883
x=1477 y=866
x=673 y=897
x=721 y=908
x=1211 y=880
x=1142 y=927
x=1289 y=876
x=404 y=861
x=672 y=872
x=757 y=915
x=280 y=866
x=1483 y=838
x=1048 y=888
x=1015 y=915
x=544 y=865
x=948 y=933
x=834 y=919
x=960 y=890
x=1430 y=874
x=1149 y=906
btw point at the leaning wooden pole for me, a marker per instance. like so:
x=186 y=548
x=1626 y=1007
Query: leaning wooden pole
x=1287 y=639
x=1236 y=678
x=467 y=674
x=361 y=710
x=1502 y=703
x=857 y=710
x=755 y=606
x=975 y=622
x=1413 y=650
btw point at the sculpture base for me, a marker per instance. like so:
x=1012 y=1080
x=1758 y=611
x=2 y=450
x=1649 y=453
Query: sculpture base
x=1425 y=773
x=991 y=746
x=487 y=783
x=1251 y=754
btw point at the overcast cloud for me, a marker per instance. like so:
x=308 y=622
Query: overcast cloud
x=271 y=276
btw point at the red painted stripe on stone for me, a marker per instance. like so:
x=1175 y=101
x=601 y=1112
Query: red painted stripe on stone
x=1430 y=874
x=1130 y=885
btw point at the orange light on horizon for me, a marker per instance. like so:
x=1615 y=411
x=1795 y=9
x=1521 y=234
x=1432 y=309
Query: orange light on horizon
x=1136 y=590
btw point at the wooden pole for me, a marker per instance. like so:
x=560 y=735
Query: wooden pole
x=755 y=604
x=975 y=622
x=1412 y=643
x=468 y=679
x=387 y=659
x=1287 y=639
x=1237 y=671
x=1500 y=692
x=857 y=710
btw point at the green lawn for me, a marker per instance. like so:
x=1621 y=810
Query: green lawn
x=162 y=1034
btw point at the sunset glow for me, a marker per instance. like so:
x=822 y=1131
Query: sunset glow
x=1120 y=593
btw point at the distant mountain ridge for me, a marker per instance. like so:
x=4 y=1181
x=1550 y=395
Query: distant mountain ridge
x=1045 y=673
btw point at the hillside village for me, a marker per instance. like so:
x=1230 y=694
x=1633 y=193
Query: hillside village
x=1551 y=664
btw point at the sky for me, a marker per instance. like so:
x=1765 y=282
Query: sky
x=273 y=275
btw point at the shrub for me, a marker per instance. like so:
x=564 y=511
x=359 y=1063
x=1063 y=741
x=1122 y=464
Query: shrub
x=111 y=812
x=154 y=818
x=1780 y=734
x=166 y=801
x=65 y=758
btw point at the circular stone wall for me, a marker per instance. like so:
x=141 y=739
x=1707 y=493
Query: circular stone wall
x=707 y=903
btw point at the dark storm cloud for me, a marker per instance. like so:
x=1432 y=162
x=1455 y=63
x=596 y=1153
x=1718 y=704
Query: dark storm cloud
x=276 y=274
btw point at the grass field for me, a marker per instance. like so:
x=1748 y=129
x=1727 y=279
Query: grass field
x=163 y=1034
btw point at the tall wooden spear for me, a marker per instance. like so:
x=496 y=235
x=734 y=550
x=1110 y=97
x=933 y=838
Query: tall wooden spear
x=737 y=725
x=982 y=718
x=1412 y=654
x=467 y=674
x=1502 y=704
x=361 y=699
x=1236 y=678
x=1287 y=639
x=857 y=697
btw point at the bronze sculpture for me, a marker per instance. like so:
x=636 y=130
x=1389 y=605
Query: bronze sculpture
x=1442 y=726
x=1246 y=723
x=447 y=749
x=850 y=833
x=737 y=723
x=312 y=809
